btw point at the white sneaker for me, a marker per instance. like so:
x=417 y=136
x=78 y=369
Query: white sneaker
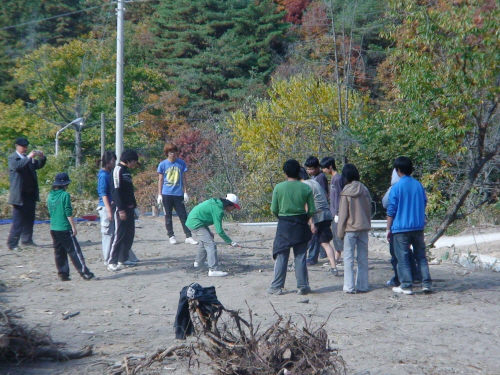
x=398 y=289
x=172 y=240
x=114 y=267
x=191 y=241
x=217 y=273
x=196 y=265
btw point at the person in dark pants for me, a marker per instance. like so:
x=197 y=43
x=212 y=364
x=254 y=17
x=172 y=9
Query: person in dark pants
x=289 y=206
x=313 y=169
x=405 y=226
x=63 y=230
x=122 y=193
x=172 y=191
x=23 y=193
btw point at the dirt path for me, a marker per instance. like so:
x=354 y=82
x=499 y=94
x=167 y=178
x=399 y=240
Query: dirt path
x=454 y=331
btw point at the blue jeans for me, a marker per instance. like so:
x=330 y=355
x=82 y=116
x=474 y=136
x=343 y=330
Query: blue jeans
x=415 y=270
x=402 y=242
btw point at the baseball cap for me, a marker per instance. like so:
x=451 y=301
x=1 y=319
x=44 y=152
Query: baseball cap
x=234 y=199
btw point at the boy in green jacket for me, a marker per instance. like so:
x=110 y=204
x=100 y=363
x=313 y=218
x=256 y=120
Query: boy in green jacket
x=63 y=230
x=207 y=213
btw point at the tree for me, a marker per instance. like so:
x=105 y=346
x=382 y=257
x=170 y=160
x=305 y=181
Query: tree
x=444 y=76
x=218 y=51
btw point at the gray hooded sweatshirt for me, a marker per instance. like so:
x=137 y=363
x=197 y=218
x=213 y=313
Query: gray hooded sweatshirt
x=355 y=209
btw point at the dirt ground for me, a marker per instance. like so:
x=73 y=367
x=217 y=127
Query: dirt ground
x=456 y=330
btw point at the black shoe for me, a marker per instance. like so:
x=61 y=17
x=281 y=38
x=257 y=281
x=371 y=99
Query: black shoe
x=88 y=276
x=64 y=278
x=29 y=244
x=303 y=291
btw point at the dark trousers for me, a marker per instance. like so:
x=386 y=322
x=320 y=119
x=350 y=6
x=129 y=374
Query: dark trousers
x=65 y=244
x=402 y=242
x=415 y=270
x=23 y=219
x=123 y=237
x=175 y=202
x=315 y=250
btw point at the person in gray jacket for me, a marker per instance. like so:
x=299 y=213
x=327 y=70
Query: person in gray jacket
x=353 y=227
x=24 y=193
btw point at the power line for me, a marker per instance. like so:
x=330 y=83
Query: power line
x=53 y=17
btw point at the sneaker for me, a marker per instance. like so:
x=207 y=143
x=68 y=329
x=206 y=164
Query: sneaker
x=275 y=291
x=311 y=263
x=129 y=263
x=303 y=291
x=339 y=262
x=172 y=240
x=105 y=262
x=334 y=271
x=88 y=276
x=326 y=264
x=114 y=267
x=427 y=290
x=217 y=273
x=191 y=241
x=64 y=278
x=398 y=289
x=16 y=249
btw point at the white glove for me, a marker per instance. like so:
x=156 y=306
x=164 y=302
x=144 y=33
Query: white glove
x=235 y=244
x=336 y=219
x=137 y=213
x=186 y=197
x=159 y=200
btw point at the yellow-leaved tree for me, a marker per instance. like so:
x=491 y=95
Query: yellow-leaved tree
x=299 y=119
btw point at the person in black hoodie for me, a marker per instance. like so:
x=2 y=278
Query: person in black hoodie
x=122 y=191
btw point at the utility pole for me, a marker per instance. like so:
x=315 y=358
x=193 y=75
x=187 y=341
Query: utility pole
x=120 y=15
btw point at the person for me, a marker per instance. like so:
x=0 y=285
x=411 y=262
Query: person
x=289 y=202
x=394 y=281
x=23 y=193
x=336 y=186
x=313 y=169
x=63 y=230
x=122 y=193
x=353 y=227
x=172 y=191
x=405 y=225
x=211 y=212
x=321 y=221
x=105 y=208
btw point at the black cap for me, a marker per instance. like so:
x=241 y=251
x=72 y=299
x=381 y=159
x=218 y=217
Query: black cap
x=62 y=179
x=22 y=141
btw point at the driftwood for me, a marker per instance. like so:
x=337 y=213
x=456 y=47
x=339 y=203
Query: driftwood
x=19 y=343
x=235 y=346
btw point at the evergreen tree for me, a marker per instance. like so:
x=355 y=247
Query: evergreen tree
x=218 y=51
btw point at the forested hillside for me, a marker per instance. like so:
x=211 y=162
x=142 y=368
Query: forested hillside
x=243 y=85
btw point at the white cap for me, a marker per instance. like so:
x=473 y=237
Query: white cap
x=234 y=199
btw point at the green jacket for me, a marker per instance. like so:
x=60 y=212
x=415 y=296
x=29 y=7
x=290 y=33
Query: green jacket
x=59 y=205
x=207 y=213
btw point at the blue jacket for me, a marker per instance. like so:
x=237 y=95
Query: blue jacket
x=407 y=201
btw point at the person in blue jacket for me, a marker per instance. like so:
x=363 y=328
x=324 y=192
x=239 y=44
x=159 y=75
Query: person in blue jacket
x=406 y=222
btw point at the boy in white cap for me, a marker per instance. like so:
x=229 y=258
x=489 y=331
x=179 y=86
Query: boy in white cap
x=211 y=212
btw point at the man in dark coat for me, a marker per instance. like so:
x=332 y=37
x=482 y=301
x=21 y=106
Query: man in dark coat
x=24 y=192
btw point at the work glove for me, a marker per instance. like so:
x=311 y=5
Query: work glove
x=136 y=213
x=336 y=219
x=186 y=198
x=159 y=200
x=235 y=244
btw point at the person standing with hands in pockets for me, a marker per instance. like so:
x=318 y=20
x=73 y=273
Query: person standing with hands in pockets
x=172 y=191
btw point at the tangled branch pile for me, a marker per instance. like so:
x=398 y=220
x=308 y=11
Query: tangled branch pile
x=19 y=343
x=236 y=347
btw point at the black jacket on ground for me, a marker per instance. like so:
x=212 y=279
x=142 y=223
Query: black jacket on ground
x=207 y=297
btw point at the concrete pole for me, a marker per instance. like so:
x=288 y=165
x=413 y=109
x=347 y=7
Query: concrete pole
x=103 y=134
x=120 y=13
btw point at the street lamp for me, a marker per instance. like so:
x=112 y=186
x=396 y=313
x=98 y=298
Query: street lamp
x=78 y=121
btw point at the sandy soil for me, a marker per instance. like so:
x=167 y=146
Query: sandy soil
x=453 y=331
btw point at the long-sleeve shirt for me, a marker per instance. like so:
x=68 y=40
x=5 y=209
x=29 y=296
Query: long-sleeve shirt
x=104 y=186
x=407 y=201
x=290 y=199
x=336 y=186
x=208 y=213
x=321 y=179
x=122 y=188
x=59 y=206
